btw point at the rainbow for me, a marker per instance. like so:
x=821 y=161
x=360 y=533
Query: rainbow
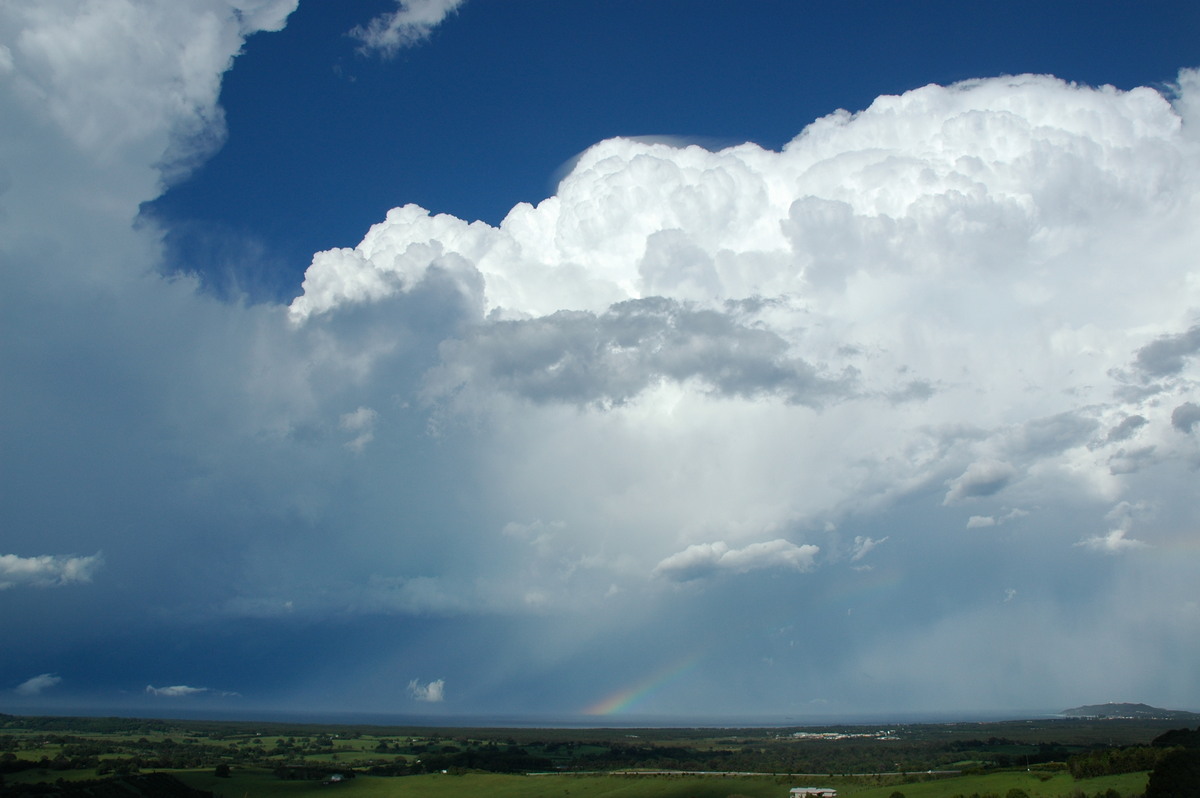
x=627 y=697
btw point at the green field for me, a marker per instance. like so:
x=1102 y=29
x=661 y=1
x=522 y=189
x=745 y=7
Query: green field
x=235 y=759
x=560 y=786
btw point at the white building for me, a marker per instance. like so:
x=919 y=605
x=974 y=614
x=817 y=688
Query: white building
x=813 y=792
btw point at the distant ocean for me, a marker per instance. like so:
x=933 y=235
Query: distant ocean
x=623 y=721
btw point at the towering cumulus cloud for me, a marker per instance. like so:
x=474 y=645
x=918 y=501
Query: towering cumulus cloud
x=671 y=413
x=972 y=302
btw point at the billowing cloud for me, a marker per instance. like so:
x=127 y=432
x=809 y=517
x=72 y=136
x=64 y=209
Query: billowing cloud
x=101 y=77
x=706 y=559
x=411 y=23
x=432 y=692
x=38 y=684
x=47 y=570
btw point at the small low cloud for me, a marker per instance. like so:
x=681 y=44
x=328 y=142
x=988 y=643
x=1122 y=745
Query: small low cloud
x=47 y=570
x=864 y=546
x=175 y=691
x=1009 y=595
x=1122 y=517
x=984 y=521
x=360 y=424
x=409 y=25
x=38 y=684
x=983 y=478
x=433 y=693
x=1114 y=542
x=706 y=559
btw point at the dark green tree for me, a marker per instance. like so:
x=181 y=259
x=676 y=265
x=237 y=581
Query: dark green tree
x=1177 y=775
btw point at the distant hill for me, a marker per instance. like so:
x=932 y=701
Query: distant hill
x=1141 y=711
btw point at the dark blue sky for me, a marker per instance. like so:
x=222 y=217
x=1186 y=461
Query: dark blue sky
x=324 y=140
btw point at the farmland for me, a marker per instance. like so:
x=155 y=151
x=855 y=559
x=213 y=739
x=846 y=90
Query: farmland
x=1041 y=759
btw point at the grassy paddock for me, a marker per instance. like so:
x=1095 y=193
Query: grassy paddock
x=263 y=783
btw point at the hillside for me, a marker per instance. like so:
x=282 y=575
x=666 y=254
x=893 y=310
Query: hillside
x=1139 y=711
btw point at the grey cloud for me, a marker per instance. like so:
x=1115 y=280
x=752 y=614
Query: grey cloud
x=1185 y=417
x=1126 y=429
x=1130 y=461
x=581 y=357
x=1054 y=434
x=982 y=478
x=1167 y=355
x=914 y=391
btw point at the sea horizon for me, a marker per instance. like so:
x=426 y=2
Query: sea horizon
x=548 y=721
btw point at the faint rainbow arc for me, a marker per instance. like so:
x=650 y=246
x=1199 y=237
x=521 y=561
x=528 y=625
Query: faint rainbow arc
x=627 y=697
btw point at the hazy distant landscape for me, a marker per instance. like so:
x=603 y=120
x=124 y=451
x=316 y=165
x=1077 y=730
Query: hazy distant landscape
x=1068 y=757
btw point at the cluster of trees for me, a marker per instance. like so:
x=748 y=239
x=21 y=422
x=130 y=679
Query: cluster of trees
x=1113 y=761
x=151 y=785
x=1173 y=759
x=1177 y=774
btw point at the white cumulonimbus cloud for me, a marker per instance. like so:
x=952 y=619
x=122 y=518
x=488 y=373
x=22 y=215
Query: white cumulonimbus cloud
x=703 y=366
x=933 y=293
x=47 y=570
x=38 y=684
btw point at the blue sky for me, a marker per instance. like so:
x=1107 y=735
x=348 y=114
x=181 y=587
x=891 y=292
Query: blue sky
x=605 y=360
x=486 y=114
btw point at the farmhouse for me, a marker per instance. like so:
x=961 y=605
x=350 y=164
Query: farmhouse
x=813 y=792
